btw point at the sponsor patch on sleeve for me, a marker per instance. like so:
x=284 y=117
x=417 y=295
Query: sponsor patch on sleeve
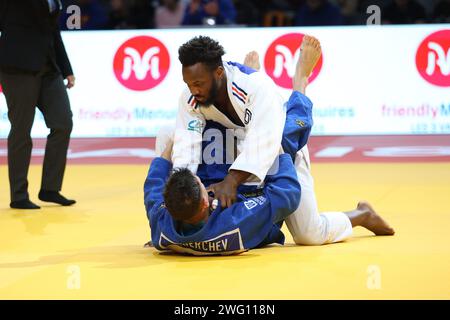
x=195 y=125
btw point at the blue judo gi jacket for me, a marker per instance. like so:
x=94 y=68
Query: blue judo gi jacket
x=254 y=220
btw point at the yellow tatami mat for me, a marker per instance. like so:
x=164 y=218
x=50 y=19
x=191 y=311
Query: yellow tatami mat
x=94 y=250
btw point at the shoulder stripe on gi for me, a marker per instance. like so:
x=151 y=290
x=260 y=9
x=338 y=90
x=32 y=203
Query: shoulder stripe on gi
x=192 y=102
x=238 y=92
x=238 y=88
x=242 y=100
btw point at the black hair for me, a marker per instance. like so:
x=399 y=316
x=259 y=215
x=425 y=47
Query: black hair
x=201 y=49
x=182 y=194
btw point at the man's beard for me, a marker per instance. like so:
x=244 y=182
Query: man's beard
x=212 y=95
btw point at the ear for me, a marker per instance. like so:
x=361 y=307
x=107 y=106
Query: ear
x=205 y=203
x=220 y=71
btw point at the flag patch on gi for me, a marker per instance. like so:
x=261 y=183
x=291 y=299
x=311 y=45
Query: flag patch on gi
x=192 y=102
x=239 y=92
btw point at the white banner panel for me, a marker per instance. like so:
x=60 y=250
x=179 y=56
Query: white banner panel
x=370 y=80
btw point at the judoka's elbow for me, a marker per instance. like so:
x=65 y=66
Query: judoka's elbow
x=294 y=196
x=294 y=202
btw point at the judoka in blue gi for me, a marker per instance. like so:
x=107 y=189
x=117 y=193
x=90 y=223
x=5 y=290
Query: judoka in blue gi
x=254 y=220
x=229 y=96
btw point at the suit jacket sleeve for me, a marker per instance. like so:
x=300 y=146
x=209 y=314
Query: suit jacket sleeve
x=2 y=13
x=61 y=55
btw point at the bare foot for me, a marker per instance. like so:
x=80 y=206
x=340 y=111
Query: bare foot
x=373 y=221
x=252 y=60
x=310 y=52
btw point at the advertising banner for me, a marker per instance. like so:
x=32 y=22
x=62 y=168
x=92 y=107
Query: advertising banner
x=369 y=80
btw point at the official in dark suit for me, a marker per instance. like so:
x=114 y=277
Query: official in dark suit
x=33 y=66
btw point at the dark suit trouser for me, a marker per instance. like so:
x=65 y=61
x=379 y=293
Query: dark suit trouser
x=24 y=92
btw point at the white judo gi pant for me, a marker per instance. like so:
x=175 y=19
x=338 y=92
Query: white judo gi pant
x=306 y=225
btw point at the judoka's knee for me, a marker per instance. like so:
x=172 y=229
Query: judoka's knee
x=310 y=237
x=163 y=137
x=165 y=134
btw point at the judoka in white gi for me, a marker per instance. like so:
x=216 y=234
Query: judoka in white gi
x=248 y=103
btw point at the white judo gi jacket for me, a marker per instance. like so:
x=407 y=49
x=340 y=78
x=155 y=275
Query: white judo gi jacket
x=260 y=107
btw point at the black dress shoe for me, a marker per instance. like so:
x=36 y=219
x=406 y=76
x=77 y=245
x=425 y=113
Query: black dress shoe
x=23 y=204
x=56 y=197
